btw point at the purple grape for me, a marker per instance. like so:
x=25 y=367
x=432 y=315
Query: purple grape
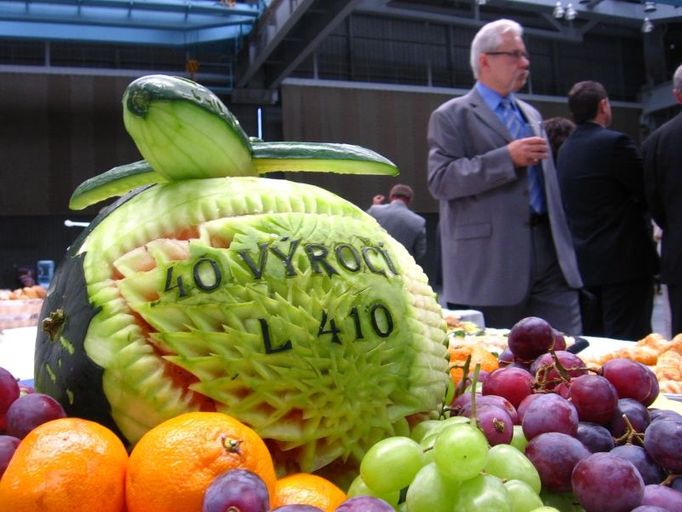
x=9 y=392
x=636 y=413
x=649 y=508
x=494 y=400
x=631 y=380
x=547 y=375
x=8 y=446
x=550 y=413
x=650 y=472
x=605 y=483
x=495 y=424
x=676 y=483
x=509 y=382
x=364 y=504
x=595 y=437
x=663 y=441
x=559 y=341
x=530 y=337
x=505 y=357
x=521 y=409
x=29 y=411
x=521 y=365
x=555 y=455
x=462 y=400
x=662 y=496
x=594 y=398
x=297 y=508
x=237 y=489
x=656 y=414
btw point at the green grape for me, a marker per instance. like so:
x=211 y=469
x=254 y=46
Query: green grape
x=430 y=491
x=519 y=439
x=522 y=496
x=460 y=451
x=545 y=509
x=429 y=438
x=391 y=464
x=508 y=463
x=482 y=493
x=424 y=428
x=358 y=487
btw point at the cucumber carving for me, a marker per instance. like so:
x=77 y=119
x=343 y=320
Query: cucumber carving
x=184 y=131
x=212 y=288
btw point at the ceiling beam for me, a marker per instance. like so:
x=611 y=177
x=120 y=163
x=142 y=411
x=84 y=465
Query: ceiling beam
x=285 y=36
x=117 y=35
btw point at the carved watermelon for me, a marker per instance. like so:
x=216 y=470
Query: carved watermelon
x=276 y=302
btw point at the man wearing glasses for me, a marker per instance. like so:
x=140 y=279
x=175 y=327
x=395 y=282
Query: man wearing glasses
x=506 y=248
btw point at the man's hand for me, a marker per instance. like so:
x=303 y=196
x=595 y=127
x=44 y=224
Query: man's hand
x=528 y=151
x=378 y=199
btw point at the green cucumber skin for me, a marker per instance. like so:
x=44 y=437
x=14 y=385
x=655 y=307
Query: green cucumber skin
x=115 y=182
x=142 y=92
x=319 y=157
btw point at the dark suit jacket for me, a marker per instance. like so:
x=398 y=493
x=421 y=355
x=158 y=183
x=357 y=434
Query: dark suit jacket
x=403 y=224
x=484 y=212
x=602 y=186
x=662 y=153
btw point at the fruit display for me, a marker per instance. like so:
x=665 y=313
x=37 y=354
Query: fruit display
x=21 y=307
x=214 y=289
x=577 y=440
x=218 y=340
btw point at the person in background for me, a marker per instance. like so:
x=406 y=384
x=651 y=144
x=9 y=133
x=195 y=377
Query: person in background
x=406 y=226
x=662 y=154
x=506 y=248
x=601 y=178
x=558 y=129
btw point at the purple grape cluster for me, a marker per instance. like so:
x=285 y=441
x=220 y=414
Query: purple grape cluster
x=587 y=433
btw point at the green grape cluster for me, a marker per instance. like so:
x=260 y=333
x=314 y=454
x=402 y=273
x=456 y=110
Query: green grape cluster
x=449 y=466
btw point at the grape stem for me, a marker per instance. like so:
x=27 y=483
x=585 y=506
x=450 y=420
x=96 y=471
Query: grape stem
x=630 y=432
x=474 y=383
x=669 y=479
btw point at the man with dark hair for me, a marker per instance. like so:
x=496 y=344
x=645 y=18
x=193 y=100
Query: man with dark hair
x=601 y=179
x=403 y=224
x=663 y=184
x=506 y=249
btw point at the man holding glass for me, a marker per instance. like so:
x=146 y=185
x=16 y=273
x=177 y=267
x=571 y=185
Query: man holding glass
x=506 y=248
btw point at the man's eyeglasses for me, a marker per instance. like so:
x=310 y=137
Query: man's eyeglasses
x=516 y=54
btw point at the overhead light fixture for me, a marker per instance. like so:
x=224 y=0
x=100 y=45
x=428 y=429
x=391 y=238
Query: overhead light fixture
x=647 y=26
x=649 y=6
x=570 y=13
x=481 y=2
x=558 y=12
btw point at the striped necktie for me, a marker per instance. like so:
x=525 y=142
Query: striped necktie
x=517 y=129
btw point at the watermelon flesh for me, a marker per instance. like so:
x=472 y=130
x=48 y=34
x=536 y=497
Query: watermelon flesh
x=278 y=303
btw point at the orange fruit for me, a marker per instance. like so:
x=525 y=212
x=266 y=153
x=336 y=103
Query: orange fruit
x=172 y=465
x=307 y=489
x=459 y=354
x=65 y=465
